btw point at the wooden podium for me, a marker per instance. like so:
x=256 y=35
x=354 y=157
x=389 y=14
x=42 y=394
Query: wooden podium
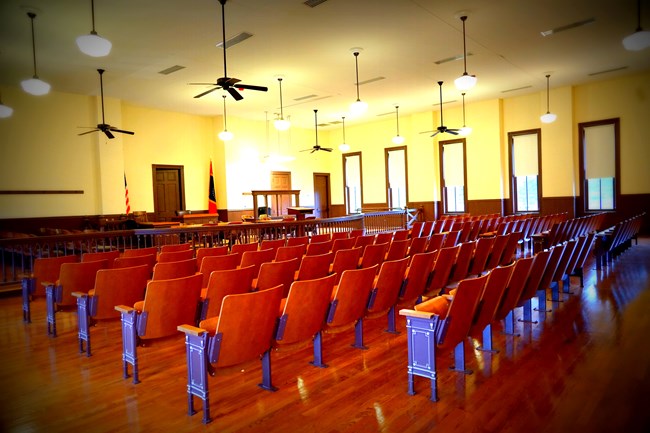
x=299 y=212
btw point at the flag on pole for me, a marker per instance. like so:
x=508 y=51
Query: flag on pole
x=212 y=195
x=126 y=196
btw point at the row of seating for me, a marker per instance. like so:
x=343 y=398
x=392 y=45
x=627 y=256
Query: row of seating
x=444 y=322
x=614 y=240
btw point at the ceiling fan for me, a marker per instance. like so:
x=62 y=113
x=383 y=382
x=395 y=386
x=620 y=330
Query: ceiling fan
x=442 y=127
x=226 y=83
x=105 y=127
x=316 y=146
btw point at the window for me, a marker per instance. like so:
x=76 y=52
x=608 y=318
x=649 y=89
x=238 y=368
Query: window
x=352 y=182
x=599 y=144
x=525 y=169
x=396 y=175
x=453 y=173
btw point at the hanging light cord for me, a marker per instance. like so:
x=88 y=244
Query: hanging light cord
x=32 y=15
x=316 y=125
x=441 y=121
x=397 y=116
x=223 y=35
x=281 y=111
x=225 y=122
x=356 y=62
x=463 y=109
x=101 y=89
x=92 y=13
x=638 y=16
x=463 y=18
x=548 y=110
x=343 y=118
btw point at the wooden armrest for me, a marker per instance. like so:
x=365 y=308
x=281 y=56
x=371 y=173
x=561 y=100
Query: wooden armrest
x=192 y=330
x=123 y=309
x=46 y=283
x=79 y=294
x=418 y=314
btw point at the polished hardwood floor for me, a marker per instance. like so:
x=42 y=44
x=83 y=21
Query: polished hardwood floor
x=585 y=367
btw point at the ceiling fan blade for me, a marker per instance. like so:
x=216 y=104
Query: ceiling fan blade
x=251 y=87
x=452 y=131
x=108 y=133
x=305 y=150
x=314 y=150
x=326 y=149
x=206 y=92
x=121 y=131
x=235 y=94
x=88 y=132
x=435 y=133
x=201 y=84
x=427 y=132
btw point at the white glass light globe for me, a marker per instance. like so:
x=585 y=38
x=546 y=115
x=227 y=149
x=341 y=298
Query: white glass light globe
x=344 y=147
x=548 y=117
x=35 y=86
x=398 y=139
x=465 y=81
x=637 y=41
x=358 y=107
x=94 y=45
x=226 y=135
x=465 y=131
x=5 y=111
x=282 y=124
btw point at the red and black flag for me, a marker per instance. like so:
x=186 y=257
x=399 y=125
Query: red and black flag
x=212 y=195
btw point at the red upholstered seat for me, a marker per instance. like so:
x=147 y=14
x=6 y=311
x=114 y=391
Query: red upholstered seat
x=210 y=264
x=175 y=256
x=129 y=262
x=222 y=283
x=417 y=275
x=290 y=252
x=170 y=270
x=109 y=256
x=313 y=267
x=47 y=270
x=175 y=247
x=272 y=274
x=241 y=248
x=140 y=252
x=213 y=251
x=256 y=258
x=345 y=260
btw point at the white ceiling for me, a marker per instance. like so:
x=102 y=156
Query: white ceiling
x=311 y=49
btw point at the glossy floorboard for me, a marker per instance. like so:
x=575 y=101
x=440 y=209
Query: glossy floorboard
x=585 y=367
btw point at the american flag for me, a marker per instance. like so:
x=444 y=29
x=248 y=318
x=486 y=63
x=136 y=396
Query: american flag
x=126 y=196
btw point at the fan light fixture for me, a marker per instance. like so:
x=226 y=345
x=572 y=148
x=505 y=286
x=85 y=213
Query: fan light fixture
x=281 y=124
x=358 y=107
x=465 y=81
x=344 y=147
x=34 y=86
x=92 y=44
x=465 y=130
x=225 y=135
x=548 y=117
x=640 y=39
x=5 y=110
x=398 y=139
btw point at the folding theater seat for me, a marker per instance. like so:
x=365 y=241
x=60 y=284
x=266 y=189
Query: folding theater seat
x=45 y=272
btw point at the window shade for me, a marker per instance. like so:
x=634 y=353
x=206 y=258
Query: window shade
x=599 y=152
x=525 y=161
x=352 y=171
x=452 y=164
x=396 y=169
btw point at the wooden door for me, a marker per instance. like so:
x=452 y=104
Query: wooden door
x=168 y=188
x=321 y=195
x=281 y=180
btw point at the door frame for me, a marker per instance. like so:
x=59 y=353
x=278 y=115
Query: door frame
x=327 y=187
x=181 y=181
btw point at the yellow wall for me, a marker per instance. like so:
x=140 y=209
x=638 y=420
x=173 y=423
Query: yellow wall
x=40 y=149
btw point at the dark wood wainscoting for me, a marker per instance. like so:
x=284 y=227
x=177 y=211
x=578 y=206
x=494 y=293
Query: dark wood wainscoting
x=484 y=207
x=551 y=205
x=633 y=204
x=337 y=210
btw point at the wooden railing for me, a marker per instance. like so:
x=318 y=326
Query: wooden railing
x=18 y=254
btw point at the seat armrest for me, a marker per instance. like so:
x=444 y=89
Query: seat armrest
x=419 y=314
x=191 y=330
x=79 y=294
x=123 y=309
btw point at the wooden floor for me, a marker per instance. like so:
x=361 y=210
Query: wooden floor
x=585 y=367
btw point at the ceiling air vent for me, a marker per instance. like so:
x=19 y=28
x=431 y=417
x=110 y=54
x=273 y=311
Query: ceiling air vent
x=171 y=69
x=568 y=27
x=451 y=59
x=235 y=40
x=371 y=80
x=607 y=71
x=314 y=3
x=516 y=88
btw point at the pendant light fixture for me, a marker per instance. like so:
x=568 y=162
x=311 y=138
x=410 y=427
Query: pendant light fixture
x=34 y=86
x=92 y=44
x=225 y=135
x=465 y=81
x=465 y=130
x=398 y=139
x=344 y=147
x=640 y=39
x=281 y=124
x=5 y=110
x=548 y=117
x=358 y=107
